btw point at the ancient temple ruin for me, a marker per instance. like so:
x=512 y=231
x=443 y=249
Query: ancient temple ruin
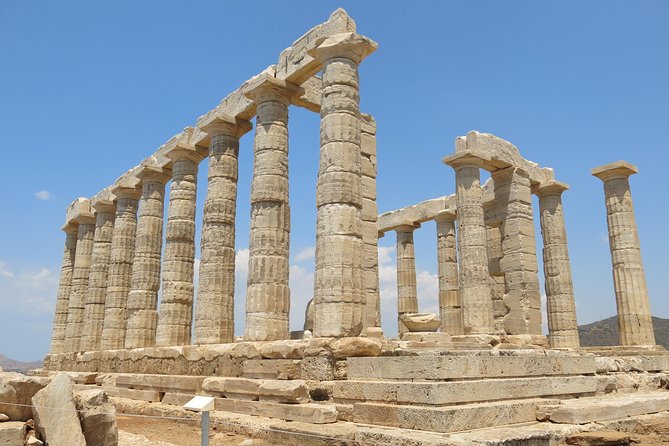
x=482 y=362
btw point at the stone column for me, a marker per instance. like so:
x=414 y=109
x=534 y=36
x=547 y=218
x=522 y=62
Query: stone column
x=474 y=277
x=629 y=281
x=64 y=287
x=370 y=227
x=560 y=304
x=176 y=307
x=450 y=308
x=94 y=312
x=407 y=297
x=80 y=273
x=214 y=310
x=145 y=279
x=268 y=292
x=120 y=267
x=519 y=264
x=339 y=292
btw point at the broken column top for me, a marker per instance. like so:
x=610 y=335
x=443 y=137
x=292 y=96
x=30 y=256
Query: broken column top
x=104 y=201
x=619 y=169
x=552 y=187
x=446 y=215
x=79 y=206
x=349 y=45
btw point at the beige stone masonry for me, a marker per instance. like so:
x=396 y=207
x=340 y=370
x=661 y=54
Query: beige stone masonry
x=94 y=312
x=419 y=213
x=450 y=307
x=80 y=274
x=268 y=291
x=629 y=280
x=518 y=263
x=145 y=280
x=120 y=265
x=407 y=297
x=339 y=291
x=474 y=276
x=214 y=311
x=176 y=307
x=64 y=287
x=560 y=303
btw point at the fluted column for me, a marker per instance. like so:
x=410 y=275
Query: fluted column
x=80 y=273
x=475 y=293
x=407 y=297
x=64 y=287
x=450 y=308
x=560 y=304
x=145 y=279
x=629 y=280
x=214 y=310
x=339 y=292
x=370 y=227
x=120 y=267
x=94 y=312
x=176 y=307
x=268 y=292
x=519 y=264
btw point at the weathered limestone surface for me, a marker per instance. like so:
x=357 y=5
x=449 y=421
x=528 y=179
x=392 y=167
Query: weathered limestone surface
x=214 y=311
x=474 y=277
x=418 y=213
x=370 y=231
x=339 y=292
x=450 y=307
x=80 y=273
x=12 y=433
x=407 y=297
x=176 y=307
x=64 y=287
x=120 y=265
x=629 y=280
x=16 y=392
x=268 y=292
x=519 y=259
x=145 y=280
x=57 y=427
x=97 y=415
x=94 y=312
x=586 y=410
x=560 y=303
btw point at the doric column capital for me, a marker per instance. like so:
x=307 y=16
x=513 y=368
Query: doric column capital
x=185 y=151
x=126 y=192
x=407 y=226
x=446 y=215
x=104 y=201
x=551 y=188
x=151 y=173
x=85 y=218
x=267 y=88
x=70 y=228
x=345 y=45
x=469 y=158
x=224 y=125
x=619 y=169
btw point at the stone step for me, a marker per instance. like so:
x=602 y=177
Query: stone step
x=160 y=383
x=450 y=418
x=455 y=367
x=456 y=392
x=603 y=408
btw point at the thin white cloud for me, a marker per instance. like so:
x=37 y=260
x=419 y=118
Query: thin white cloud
x=27 y=292
x=4 y=272
x=307 y=253
x=43 y=195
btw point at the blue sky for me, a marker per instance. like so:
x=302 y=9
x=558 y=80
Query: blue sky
x=88 y=89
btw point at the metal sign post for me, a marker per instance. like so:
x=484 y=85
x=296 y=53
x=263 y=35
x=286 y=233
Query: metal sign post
x=202 y=404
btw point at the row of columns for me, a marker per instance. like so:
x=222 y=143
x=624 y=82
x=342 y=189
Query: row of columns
x=112 y=273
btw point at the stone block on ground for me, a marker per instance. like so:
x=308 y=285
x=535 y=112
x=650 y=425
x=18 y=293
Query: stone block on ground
x=55 y=414
x=290 y=392
x=591 y=409
x=12 y=433
x=599 y=438
x=353 y=347
x=17 y=391
x=237 y=388
x=98 y=417
x=421 y=322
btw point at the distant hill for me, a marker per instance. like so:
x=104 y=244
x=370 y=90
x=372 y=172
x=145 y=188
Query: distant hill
x=605 y=332
x=9 y=365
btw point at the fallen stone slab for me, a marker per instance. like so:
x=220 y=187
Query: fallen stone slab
x=238 y=388
x=98 y=417
x=55 y=414
x=12 y=433
x=590 y=409
x=280 y=391
x=16 y=391
x=307 y=413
